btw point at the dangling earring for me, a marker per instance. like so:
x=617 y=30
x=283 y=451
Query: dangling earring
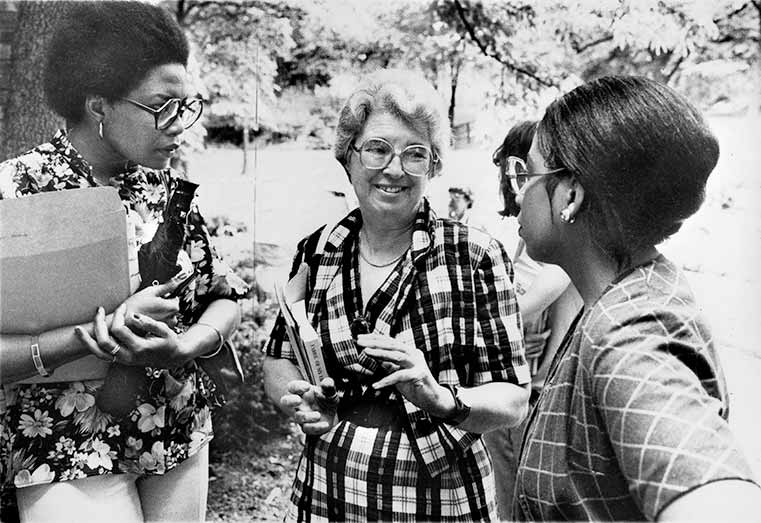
x=100 y=129
x=565 y=215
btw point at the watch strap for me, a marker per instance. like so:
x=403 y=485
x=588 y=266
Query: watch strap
x=461 y=410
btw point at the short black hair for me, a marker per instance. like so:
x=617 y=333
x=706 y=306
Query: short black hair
x=107 y=49
x=641 y=151
x=517 y=142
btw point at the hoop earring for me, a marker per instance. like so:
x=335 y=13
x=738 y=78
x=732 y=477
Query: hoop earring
x=100 y=129
x=565 y=215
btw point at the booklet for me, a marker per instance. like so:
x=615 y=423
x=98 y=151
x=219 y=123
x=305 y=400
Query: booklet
x=304 y=339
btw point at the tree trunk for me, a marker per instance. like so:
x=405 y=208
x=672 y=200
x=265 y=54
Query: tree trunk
x=453 y=92
x=246 y=149
x=28 y=121
x=454 y=70
x=757 y=5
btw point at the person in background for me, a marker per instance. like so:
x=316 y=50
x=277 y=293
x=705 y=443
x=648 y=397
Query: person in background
x=632 y=422
x=116 y=72
x=547 y=303
x=419 y=328
x=460 y=203
x=460 y=208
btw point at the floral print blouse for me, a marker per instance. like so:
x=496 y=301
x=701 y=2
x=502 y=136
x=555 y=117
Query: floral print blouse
x=55 y=432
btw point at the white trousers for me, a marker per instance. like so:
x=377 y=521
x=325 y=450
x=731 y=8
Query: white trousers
x=178 y=495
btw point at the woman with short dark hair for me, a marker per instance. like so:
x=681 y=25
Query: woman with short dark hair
x=116 y=71
x=516 y=143
x=631 y=424
x=547 y=302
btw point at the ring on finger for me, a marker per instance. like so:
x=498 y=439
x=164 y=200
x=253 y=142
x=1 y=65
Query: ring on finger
x=114 y=351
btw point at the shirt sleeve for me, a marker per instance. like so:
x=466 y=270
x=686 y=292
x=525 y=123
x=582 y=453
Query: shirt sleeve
x=214 y=278
x=650 y=380
x=499 y=356
x=499 y=331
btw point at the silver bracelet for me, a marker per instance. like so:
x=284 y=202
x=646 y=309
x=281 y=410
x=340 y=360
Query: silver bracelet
x=34 y=346
x=221 y=340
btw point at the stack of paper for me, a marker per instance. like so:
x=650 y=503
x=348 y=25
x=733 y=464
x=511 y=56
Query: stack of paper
x=305 y=341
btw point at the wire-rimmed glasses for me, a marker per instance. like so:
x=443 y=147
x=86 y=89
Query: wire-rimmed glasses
x=519 y=175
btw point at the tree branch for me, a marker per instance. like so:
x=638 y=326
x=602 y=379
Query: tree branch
x=734 y=12
x=494 y=54
x=581 y=48
x=674 y=69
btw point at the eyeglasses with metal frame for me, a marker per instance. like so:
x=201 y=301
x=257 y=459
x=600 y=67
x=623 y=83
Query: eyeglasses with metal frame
x=519 y=175
x=377 y=154
x=188 y=110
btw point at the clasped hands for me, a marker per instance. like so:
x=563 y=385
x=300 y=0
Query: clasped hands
x=139 y=332
x=314 y=408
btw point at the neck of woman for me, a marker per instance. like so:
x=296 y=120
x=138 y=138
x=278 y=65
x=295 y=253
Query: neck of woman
x=381 y=243
x=591 y=270
x=103 y=160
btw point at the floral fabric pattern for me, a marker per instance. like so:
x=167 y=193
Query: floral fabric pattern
x=55 y=432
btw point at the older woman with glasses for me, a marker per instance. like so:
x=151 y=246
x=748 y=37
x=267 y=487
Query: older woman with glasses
x=631 y=424
x=116 y=71
x=419 y=328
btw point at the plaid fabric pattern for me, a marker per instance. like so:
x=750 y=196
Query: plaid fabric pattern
x=452 y=297
x=634 y=413
x=355 y=473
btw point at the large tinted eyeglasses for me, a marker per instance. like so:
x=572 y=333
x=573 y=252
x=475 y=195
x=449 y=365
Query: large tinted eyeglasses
x=518 y=174
x=377 y=153
x=188 y=110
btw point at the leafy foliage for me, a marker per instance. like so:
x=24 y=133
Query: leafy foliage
x=248 y=411
x=238 y=45
x=283 y=66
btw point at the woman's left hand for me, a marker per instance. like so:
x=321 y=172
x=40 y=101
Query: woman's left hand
x=408 y=371
x=141 y=340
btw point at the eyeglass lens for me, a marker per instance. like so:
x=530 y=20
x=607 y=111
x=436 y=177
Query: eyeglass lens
x=377 y=154
x=188 y=112
x=519 y=173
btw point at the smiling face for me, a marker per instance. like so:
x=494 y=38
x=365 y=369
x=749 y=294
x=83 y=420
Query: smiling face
x=131 y=132
x=387 y=195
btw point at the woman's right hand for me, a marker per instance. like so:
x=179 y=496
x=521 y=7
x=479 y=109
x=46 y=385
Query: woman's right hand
x=152 y=303
x=312 y=407
x=136 y=341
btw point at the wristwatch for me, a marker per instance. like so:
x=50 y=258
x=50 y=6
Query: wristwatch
x=461 y=410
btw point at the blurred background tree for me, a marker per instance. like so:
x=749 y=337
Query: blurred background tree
x=277 y=70
x=26 y=119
